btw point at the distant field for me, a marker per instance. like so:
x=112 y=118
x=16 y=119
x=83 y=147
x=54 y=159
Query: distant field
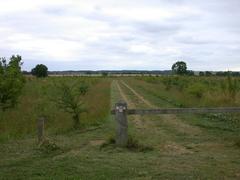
x=179 y=146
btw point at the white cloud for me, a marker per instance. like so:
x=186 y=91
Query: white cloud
x=107 y=34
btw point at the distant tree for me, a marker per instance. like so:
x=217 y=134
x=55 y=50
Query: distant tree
x=40 y=71
x=179 y=68
x=208 y=73
x=220 y=73
x=11 y=81
x=190 y=73
x=201 y=73
x=104 y=74
x=26 y=73
x=235 y=73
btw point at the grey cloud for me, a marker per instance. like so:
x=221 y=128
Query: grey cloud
x=208 y=39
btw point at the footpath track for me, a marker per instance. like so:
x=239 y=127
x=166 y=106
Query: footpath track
x=150 y=127
x=174 y=139
x=172 y=120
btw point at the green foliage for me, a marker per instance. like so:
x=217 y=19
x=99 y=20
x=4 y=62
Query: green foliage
x=69 y=97
x=230 y=87
x=179 y=68
x=196 y=90
x=48 y=147
x=11 y=81
x=208 y=73
x=40 y=71
x=167 y=82
x=190 y=73
x=35 y=101
x=201 y=73
x=83 y=88
x=134 y=145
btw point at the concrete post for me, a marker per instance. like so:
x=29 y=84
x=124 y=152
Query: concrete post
x=122 y=124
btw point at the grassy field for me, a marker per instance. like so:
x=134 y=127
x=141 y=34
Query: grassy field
x=36 y=101
x=167 y=146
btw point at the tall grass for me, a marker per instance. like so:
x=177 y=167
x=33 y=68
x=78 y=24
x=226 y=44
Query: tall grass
x=35 y=101
x=199 y=91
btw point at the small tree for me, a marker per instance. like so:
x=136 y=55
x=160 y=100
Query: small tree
x=179 y=68
x=69 y=97
x=40 y=71
x=11 y=81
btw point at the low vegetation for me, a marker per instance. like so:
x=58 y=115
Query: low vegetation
x=37 y=100
x=159 y=147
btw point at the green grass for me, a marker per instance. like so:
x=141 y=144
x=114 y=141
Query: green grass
x=182 y=147
x=36 y=101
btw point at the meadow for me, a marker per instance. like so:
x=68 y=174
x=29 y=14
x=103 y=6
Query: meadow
x=36 y=101
x=203 y=146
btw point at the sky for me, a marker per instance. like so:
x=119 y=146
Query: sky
x=124 y=34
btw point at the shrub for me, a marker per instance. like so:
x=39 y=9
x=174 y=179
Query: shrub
x=11 y=81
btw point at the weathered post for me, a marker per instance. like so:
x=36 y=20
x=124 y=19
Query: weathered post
x=40 y=129
x=122 y=124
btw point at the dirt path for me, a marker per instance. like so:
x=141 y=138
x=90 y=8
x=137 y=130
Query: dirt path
x=139 y=96
x=172 y=120
x=136 y=119
x=129 y=103
x=149 y=126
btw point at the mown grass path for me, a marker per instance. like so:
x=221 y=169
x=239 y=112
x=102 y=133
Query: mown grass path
x=172 y=120
x=207 y=154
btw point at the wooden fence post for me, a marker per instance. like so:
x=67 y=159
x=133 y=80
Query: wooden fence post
x=40 y=129
x=122 y=124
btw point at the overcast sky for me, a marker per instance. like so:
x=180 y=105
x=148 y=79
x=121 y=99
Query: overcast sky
x=122 y=34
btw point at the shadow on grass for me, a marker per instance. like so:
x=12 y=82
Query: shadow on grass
x=132 y=145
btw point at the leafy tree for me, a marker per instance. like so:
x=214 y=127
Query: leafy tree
x=69 y=97
x=179 y=68
x=40 y=71
x=11 y=81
